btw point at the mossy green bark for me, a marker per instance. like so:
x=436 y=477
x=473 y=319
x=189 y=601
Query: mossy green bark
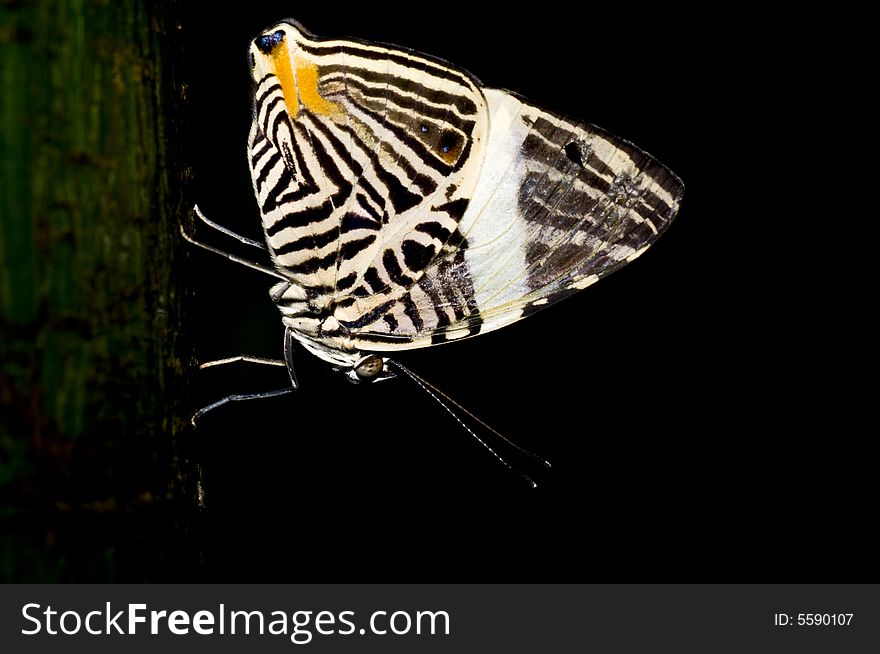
x=92 y=484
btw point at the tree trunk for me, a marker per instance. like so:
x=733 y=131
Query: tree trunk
x=93 y=484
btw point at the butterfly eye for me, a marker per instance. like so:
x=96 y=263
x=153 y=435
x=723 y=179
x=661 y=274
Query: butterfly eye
x=267 y=42
x=369 y=368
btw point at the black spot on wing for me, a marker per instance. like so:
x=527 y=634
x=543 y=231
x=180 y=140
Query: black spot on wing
x=346 y=282
x=433 y=229
x=455 y=208
x=573 y=152
x=416 y=256
x=353 y=221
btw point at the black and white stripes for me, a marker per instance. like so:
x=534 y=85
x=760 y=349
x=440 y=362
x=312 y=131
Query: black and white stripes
x=408 y=206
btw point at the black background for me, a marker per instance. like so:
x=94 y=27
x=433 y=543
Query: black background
x=693 y=416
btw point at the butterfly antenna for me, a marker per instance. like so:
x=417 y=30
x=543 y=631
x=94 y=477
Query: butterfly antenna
x=437 y=394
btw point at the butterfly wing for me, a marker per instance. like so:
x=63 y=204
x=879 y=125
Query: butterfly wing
x=558 y=206
x=363 y=159
x=408 y=206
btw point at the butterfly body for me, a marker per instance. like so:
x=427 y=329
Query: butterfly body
x=405 y=205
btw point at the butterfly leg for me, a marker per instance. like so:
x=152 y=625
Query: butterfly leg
x=239 y=398
x=287 y=362
x=232 y=257
x=288 y=356
x=240 y=260
x=243 y=358
x=249 y=396
x=228 y=232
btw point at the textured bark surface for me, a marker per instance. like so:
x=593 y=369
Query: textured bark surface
x=93 y=484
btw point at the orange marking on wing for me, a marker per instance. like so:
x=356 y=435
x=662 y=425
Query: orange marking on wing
x=307 y=78
x=284 y=73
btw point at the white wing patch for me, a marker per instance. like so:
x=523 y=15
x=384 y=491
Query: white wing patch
x=492 y=224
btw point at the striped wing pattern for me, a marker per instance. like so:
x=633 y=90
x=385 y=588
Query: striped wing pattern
x=408 y=206
x=581 y=204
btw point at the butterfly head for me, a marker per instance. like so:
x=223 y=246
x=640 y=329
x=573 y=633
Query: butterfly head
x=370 y=368
x=358 y=367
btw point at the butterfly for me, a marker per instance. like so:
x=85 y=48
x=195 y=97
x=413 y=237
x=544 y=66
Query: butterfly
x=404 y=205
